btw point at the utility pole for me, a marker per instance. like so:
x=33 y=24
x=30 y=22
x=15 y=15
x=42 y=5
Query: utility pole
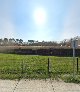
x=74 y=43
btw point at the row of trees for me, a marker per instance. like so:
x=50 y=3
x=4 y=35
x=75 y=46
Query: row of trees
x=11 y=41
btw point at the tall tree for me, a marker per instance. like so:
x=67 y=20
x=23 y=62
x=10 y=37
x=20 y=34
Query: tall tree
x=5 y=41
x=17 y=40
x=21 y=41
x=1 y=41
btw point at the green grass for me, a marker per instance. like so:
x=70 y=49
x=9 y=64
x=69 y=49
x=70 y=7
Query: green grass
x=14 y=66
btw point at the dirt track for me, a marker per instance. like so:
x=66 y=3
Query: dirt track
x=37 y=86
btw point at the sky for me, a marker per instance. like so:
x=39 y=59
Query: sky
x=48 y=20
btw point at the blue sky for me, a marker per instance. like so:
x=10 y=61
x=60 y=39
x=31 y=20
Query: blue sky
x=60 y=19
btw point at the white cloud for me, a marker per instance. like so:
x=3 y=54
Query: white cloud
x=72 y=21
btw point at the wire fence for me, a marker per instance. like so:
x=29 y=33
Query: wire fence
x=39 y=68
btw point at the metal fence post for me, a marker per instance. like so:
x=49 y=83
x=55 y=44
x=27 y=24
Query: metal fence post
x=22 y=68
x=73 y=62
x=77 y=66
x=48 y=67
x=74 y=45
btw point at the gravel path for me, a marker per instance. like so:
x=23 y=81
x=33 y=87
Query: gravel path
x=37 y=86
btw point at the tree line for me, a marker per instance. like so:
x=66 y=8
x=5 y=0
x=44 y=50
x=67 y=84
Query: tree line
x=20 y=42
x=10 y=41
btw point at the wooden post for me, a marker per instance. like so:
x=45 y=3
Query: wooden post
x=77 y=66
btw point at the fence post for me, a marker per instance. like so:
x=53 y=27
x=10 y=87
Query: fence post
x=77 y=66
x=48 y=67
x=22 y=68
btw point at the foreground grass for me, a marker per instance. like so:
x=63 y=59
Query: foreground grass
x=14 y=66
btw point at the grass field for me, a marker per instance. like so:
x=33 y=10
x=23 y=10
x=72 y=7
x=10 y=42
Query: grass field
x=14 y=66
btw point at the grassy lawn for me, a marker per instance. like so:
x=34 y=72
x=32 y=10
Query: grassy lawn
x=14 y=66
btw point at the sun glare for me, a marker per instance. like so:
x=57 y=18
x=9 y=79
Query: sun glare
x=40 y=16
